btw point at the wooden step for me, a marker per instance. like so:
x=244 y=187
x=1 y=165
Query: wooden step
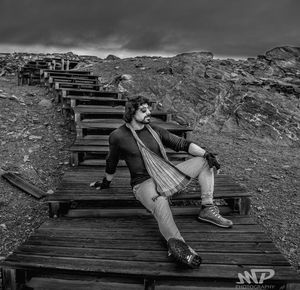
x=106 y=126
x=82 y=283
x=37 y=62
x=81 y=86
x=82 y=112
x=37 y=67
x=69 y=78
x=131 y=247
x=88 y=92
x=48 y=72
x=73 y=101
x=78 y=79
x=88 y=212
x=74 y=187
x=74 y=96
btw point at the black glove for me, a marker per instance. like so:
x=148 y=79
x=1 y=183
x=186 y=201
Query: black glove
x=212 y=160
x=101 y=185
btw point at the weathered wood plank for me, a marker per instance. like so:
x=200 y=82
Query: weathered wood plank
x=151 y=255
x=141 y=269
x=140 y=236
x=201 y=227
x=77 y=85
x=38 y=283
x=116 y=123
x=79 y=79
x=144 y=222
x=88 y=92
x=49 y=72
x=155 y=245
x=24 y=185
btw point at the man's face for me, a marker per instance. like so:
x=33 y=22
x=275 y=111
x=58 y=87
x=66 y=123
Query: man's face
x=143 y=114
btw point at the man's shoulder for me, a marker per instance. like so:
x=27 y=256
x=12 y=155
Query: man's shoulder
x=157 y=128
x=118 y=133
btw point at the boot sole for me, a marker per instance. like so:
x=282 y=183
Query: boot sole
x=211 y=222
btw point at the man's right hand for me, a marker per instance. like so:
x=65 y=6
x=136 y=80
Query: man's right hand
x=101 y=184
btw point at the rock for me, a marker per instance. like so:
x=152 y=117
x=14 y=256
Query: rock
x=45 y=103
x=112 y=57
x=3 y=226
x=275 y=176
x=26 y=158
x=126 y=77
x=33 y=137
x=165 y=70
x=283 y=53
x=285 y=166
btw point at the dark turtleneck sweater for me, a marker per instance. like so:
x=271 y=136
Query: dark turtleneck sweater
x=123 y=145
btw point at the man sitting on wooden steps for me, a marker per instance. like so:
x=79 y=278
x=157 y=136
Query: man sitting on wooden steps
x=154 y=178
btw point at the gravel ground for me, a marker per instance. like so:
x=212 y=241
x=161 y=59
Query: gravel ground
x=34 y=141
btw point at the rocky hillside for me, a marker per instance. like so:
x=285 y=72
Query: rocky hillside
x=257 y=97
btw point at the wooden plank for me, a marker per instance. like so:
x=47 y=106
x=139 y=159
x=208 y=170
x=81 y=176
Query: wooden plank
x=88 y=92
x=141 y=221
x=23 y=185
x=65 y=196
x=87 y=79
x=110 y=110
x=151 y=255
x=142 y=269
x=142 y=237
x=75 y=186
x=116 y=123
x=100 y=162
x=38 y=283
x=77 y=85
x=100 y=112
x=152 y=228
x=94 y=100
x=48 y=72
x=155 y=245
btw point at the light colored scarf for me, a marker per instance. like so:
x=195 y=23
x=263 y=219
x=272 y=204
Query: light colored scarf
x=167 y=177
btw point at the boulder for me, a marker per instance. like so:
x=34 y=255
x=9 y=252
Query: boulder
x=112 y=57
x=45 y=103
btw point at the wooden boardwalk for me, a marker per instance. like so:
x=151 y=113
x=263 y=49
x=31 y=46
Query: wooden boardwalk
x=107 y=240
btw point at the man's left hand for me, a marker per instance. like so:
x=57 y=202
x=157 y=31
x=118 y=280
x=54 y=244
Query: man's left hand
x=212 y=160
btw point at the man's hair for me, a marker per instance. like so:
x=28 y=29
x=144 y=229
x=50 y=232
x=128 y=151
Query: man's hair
x=132 y=106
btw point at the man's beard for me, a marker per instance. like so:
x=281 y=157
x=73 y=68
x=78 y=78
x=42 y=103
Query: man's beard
x=146 y=120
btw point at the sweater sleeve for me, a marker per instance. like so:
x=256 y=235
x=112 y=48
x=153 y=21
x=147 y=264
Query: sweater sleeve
x=113 y=156
x=172 y=141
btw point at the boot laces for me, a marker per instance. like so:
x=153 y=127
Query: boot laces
x=215 y=210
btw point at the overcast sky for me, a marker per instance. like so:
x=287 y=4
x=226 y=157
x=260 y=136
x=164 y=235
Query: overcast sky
x=227 y=28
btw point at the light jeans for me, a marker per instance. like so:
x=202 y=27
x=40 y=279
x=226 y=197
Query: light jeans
x=158 y=205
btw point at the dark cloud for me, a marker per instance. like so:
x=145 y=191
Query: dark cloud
x=224 y=27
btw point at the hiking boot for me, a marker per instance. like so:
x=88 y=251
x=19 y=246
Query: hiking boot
x=211 y=214
x=183 y=253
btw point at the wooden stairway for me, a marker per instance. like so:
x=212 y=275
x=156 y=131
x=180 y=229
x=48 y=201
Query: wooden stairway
x=107 y=240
